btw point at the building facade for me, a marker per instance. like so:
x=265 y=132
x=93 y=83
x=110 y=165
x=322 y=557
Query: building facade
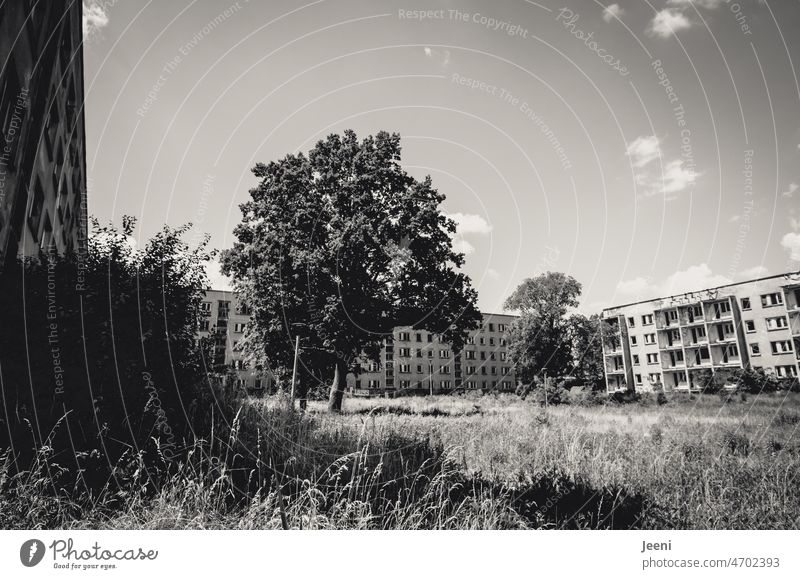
x=672 y=342
x=410 y=359
x=42 y=156
x=421 y=361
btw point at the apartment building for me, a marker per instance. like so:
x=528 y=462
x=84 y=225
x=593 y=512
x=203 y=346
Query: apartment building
x=410 y=359
x=672 y=341
x=420 y=360
x=224 y=321
x=42 y=157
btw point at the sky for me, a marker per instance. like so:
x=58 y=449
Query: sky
x=645 y=147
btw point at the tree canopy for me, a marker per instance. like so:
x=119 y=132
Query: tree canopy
x=338 y=247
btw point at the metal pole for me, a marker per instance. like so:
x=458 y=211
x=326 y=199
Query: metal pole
x=545 y=389
x=294 y=371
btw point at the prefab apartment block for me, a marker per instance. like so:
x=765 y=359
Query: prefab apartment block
x=669 y=342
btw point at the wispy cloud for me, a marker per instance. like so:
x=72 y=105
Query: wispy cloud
x=612 y=11
x=676 y=175
x=442 y=56
x=791 y=190
x=753 y=272
x=643 y=150
x=468 y=224
x=461 y=245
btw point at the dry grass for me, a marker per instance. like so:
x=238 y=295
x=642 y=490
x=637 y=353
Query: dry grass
x=449 y=462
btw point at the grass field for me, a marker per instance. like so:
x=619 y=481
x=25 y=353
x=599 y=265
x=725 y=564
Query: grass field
x=465 y=462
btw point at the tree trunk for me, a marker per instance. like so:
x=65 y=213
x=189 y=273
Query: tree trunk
x=337 y=387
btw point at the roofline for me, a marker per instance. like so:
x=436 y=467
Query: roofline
x=700 y=290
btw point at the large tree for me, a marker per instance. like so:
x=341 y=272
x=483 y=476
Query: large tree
x=340 y=246
x=540 y=337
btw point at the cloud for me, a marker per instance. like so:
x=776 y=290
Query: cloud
x=734 y=218
x=95 y=17
x=612 y=11
x=470 y=223
x=753 y=272
x=443 y=56
x=667 y=22
x=791 y=243
x=216 y=280
x=643 y=150
x=492 y=273
x=694 y=278
x=677 y=177
x=461 y=245
x=790 y=192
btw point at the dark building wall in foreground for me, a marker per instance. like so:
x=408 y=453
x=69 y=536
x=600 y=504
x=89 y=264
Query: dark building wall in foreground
x=43 y=152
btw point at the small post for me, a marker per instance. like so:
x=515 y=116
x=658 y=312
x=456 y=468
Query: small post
x=545 y=388
x=294 y=371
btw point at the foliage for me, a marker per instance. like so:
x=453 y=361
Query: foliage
x=585 y=336
x=107 y=338
x=539 y=338
x=340 y=246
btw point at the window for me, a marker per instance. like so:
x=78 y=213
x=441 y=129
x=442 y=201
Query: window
x=631 y=322
x=749 y=326
x=470 y=369
x=492 y=356
x=404 y=336
x=222 y=309
x=503 y=356
x=782 y=347
x=239 y=327
x=469 y=354
x=504 y=370
x=405 y=383
x=418 y=337
x=672 y=315
x=786 y=371
x=501 y=327
x=636 y=359
x=491 y=327
x=633 y=341
x=374 y=384
x=638 y=378
x=444 y=353
x=404 y=352
x=405 y=368
x=470 y=340
x=430 y=338
x=483 y=355
x=728 y=328
x=652 y=358
x=647 y=320
x=721 y=308
x=778 y=323
x=205 y=307
x=482 y=341
x=746 y=304
x=444 y=369
x=444 y=384
x=419 y=368
x=649 y=338
x=654 y=378
x=755 y=349
x=491 y=341
x=203 y=326
x=769 y=300
x=373 y=367
x=502 y=341
x=472 y=384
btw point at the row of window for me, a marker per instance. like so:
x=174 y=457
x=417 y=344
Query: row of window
x=445 y=369
x=446 y=354
x=720 y=308
x=418 y=336
x=788 y=371
x=443 y=384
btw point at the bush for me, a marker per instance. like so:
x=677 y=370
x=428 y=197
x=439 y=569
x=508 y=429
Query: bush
x=104 y=342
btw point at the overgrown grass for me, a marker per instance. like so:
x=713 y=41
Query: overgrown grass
x=491 y=462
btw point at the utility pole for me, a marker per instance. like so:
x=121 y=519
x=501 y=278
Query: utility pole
x=294 y=371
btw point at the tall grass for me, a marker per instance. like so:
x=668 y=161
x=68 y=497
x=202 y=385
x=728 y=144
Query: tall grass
x=440 y=462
